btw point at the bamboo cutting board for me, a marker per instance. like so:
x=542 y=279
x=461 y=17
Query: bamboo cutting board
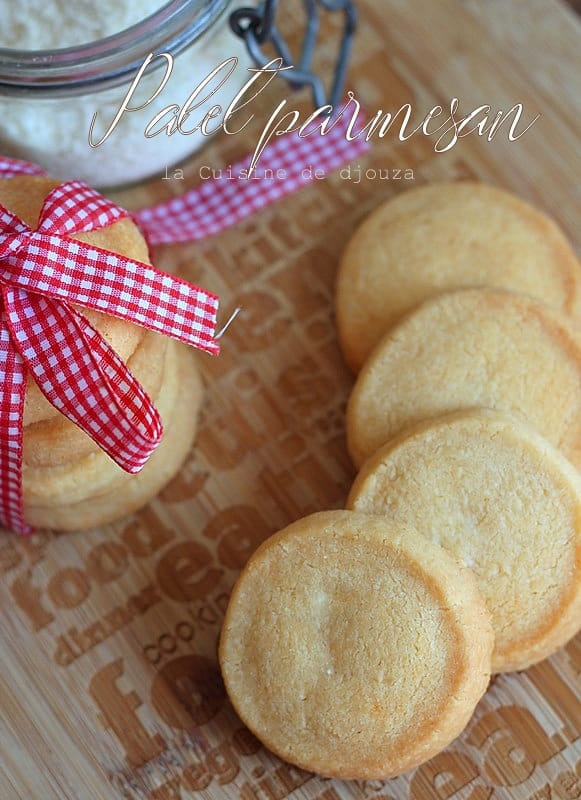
x=109 y=686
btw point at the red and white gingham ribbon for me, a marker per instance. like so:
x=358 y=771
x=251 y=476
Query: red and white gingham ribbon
x=219 y=203
x=45 y=273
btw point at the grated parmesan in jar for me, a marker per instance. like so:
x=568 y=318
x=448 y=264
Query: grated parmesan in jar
x=51 y=127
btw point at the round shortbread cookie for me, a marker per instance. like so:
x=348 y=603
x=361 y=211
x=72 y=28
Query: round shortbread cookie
x=500 y=498
x=128 y=493
x=57 y=441
x=95 y=473
x=24 y=196
x=481 y=348
x=354 y=649
x=444 y=237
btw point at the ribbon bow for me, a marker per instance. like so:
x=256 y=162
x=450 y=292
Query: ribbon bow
x=43 y=274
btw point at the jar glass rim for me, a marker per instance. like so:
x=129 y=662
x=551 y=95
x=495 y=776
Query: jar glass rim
x=107 y=62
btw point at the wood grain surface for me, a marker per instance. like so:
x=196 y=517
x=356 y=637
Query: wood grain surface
x=109 y=686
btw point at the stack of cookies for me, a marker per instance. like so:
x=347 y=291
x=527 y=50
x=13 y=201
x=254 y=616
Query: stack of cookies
x=357 y=643
x=68 y=482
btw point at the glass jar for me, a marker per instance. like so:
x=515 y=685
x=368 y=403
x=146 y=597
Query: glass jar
x=48 y=98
